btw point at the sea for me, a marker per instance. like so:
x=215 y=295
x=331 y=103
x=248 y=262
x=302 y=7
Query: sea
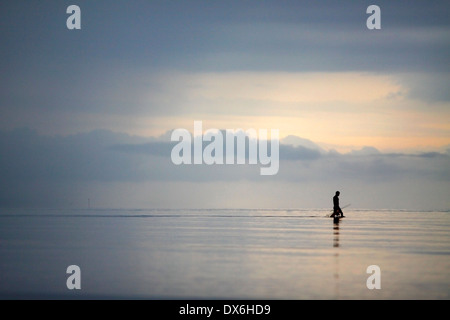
x=251 y=254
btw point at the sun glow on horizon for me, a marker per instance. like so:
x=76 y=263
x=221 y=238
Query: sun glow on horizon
x=340 y=109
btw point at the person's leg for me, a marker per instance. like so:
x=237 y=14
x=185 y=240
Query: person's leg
x=335 y=212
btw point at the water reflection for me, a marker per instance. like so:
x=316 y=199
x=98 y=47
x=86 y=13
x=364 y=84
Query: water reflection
x=336 y=256
x=336 y=233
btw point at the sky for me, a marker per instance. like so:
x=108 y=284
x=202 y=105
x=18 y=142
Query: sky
x=87 y=114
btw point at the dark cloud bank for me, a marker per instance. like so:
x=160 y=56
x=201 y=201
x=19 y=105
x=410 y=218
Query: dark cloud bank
x=39 y=170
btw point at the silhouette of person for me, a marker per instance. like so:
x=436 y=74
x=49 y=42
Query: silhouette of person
x=336 y=208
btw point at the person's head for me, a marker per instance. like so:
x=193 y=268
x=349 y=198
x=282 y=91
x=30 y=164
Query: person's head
x=338 y=193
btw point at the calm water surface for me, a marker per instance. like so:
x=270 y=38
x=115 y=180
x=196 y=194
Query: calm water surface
x=224 y=254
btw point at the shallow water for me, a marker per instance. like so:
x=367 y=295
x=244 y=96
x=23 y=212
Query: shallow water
x=224 y=254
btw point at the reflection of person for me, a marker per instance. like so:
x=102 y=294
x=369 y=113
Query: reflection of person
x=336 y=208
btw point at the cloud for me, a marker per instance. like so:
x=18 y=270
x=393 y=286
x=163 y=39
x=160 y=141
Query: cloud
x=44 y=170
x=145 y=67
x=430 y=88
x=107 y=156
x=365 y=151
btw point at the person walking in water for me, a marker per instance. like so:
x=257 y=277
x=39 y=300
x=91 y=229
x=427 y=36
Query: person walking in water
x=336 y=208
